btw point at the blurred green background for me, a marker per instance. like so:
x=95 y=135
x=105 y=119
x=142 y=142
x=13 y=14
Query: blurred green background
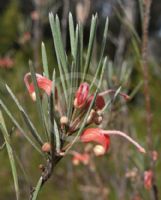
x=23 y=26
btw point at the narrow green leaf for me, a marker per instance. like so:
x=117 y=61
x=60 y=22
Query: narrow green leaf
x=108 y=103
x=52 y=115
x=57 y=51
x=104 y=39
x=71 y=94
x=102 y=53
x=18 y=126
x=136 y=89
x=44 y=60
x=10 y=155
x=22 y=168
x=37 y=189
x=38 y=100
x=81 y=46
x=90 y=45
x=72 y=34
x=57 y=137
x=63 y=57
x=111 y=100
x=116 y=93
x=110 y=73
x=77 y=59
x=45 y=107
x=2 y=146
x=127 y=74
x=25 y=117
x=122 y=72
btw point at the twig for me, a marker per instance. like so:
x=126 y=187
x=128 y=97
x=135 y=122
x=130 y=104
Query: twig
x=46 y=174
x=147 y=5
x=146 y=18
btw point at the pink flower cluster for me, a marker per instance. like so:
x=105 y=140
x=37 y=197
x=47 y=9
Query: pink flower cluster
x=82 y=101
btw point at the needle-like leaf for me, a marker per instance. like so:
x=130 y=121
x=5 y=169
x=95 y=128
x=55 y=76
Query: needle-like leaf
x=102 y=53
x=37 y=189
x=18 y=126
x=38 y=100
x=72 y=34
x=56 y=39
x=44 y=60
x=90 y=45
x=10 y=154
x=25 y=117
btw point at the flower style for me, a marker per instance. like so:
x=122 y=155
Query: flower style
x=43 y=83
x=100 y=102
x=81 y=95
x=80 y=158
x=101 y=137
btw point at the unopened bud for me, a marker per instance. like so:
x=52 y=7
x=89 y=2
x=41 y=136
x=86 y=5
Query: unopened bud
x=99 y=150
x=81 y=95
x=91 y=115
x=148 y=179
x=98 y=120
x=41 y=167
x=46 y=147
x=75 y=103
x=99 y=112
x=75 y=162
x=64 y=120
x=33 y=96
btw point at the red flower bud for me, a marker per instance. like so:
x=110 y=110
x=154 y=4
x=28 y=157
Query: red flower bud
x=148 y=178
x=99 y=103
x=46 y=147
x=81 y=95
x=96 y=135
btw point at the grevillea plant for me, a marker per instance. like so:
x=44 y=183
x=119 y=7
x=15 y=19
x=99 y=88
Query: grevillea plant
x=75 y=103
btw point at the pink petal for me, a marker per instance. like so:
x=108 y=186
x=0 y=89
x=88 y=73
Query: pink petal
x=43 y=83
x=81 y=95
x=95 y=135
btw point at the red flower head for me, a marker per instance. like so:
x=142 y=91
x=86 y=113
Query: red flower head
x=43 y=83
x=80 y=158
x=102 y=137
x=81 y=95
x=99 y=103
x=96 y=135
x=148 y=179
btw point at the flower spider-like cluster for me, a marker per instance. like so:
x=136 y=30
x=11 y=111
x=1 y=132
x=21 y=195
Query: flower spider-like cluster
x=82 y=101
